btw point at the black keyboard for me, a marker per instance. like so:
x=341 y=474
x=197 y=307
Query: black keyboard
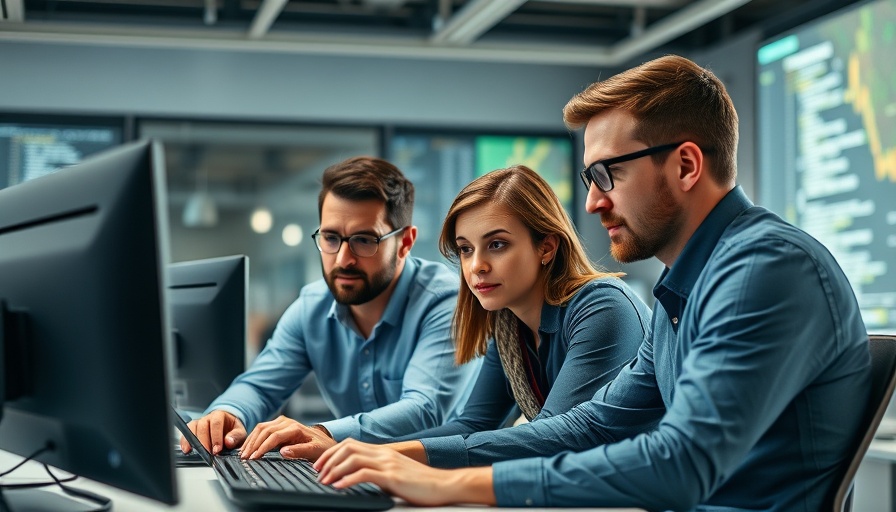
x=289 y=475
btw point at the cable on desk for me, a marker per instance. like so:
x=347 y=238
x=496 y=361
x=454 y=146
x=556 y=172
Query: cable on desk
x=104 y=503
x=47 y=447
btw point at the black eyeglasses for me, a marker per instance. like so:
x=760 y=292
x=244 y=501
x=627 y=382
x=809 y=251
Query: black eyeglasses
x=599 y=172
x=363 y=246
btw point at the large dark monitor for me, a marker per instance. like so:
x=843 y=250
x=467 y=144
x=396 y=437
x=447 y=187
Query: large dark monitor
x=208 y=313
x=827 y=143
x=82 y=274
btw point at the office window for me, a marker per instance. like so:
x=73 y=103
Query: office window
x=440 y=164
x=33 y=145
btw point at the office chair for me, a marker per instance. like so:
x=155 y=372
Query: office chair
x=883 y=380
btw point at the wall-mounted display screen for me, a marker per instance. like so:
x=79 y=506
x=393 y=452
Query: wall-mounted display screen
x=827 y=144
x=32 y=146
x=441 y=164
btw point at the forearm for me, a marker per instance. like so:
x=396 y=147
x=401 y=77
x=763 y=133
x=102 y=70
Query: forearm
x=571 y=431
x=411 y=449
x=471 y=486
x=411 y=414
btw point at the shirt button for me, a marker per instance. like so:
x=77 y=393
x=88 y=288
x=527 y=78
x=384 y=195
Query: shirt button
x=675 y=320
x=529 y=502
x=366 y=351
x=365 y=385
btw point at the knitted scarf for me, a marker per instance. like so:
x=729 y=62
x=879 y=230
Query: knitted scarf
x=507 y=339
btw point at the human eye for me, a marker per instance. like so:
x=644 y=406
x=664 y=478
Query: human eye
x=464 y=250
x=497 y=245
x=330 y=238
x=363 y=240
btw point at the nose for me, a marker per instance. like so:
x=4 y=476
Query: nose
x=597 y=200
x=345 y=257
x=478 y=264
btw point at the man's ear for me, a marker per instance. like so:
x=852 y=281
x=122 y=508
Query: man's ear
x=408 y=237
x=691 y=165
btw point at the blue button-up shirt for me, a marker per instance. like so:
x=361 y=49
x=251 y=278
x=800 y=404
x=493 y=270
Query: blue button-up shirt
x=746 y=398
x=401 y=379
x=584 y=344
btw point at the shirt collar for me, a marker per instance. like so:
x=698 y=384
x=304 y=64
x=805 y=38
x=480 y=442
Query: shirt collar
x=680 y=278
x=397 y=303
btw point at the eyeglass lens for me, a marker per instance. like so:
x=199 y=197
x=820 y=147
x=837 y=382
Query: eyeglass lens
x=360 y=245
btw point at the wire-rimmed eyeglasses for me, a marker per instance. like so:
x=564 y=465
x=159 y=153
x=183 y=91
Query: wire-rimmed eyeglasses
x=361 y=245
x=599 y=172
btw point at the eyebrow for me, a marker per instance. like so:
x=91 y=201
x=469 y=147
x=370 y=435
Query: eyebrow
x=369 y=232
x=486 y=235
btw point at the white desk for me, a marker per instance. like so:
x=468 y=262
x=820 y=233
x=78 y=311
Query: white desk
x=198 y=488
x=875 y=489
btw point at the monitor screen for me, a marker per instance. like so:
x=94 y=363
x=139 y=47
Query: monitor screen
x=82 y=278
x=440 y=164
x=32 y=146
x=208 y=313
x=827 y=144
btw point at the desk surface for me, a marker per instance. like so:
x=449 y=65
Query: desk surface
x=882 y=450
x=198 y=489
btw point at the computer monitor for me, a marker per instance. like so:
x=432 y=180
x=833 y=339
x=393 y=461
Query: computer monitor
x=83 y=255
x=826 y=144
x=208 y=313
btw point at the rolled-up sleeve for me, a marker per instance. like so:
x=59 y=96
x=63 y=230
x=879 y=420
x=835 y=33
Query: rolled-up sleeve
x=432 y=385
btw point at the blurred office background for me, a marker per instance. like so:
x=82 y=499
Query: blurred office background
x=253 y=99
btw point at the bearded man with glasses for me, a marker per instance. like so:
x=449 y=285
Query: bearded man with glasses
x=375 y=331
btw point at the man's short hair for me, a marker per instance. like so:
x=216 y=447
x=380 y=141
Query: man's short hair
x=673 y=99
x=364 y=178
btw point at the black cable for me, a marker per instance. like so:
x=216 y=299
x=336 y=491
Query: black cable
x=104 y=502
x=46 y=447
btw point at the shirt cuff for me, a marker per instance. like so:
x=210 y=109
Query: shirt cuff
x=343 y=428
x=446 y=452
x=519 y=483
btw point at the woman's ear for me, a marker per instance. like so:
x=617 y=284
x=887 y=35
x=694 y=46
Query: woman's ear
x=548 y=248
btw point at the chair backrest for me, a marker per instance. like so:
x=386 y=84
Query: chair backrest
x=883 y=380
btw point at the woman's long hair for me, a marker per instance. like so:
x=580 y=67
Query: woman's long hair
x=525 y=194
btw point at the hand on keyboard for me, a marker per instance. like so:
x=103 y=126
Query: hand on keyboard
x=295 y=440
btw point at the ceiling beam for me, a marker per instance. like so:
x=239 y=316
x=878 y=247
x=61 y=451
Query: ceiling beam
x=672 y=26
x=384 y=4
x=264 y=18
x=618 y=54
x=13 y=11
x=474 y=19
x=670 y=4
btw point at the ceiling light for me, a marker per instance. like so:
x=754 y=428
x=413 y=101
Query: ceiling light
x=200 y=211
x=292 y=235
x=261 y=220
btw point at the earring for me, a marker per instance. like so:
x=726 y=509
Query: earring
x=543 y=262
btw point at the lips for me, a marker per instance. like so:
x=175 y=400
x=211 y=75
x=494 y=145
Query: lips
x=612 y=224
x=345 y=276
x=485 y=287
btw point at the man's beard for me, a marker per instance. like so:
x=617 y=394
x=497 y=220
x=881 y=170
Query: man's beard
x=657 y=225
x=366 y=289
